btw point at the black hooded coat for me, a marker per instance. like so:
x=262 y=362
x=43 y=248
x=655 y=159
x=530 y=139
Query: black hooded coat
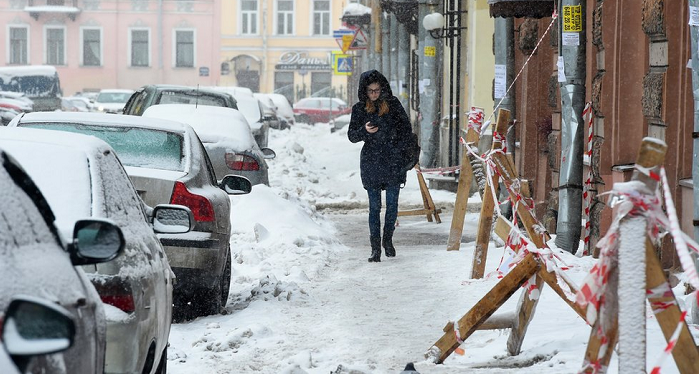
x=381 y=163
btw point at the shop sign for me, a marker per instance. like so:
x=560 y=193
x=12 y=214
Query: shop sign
x=301 y=61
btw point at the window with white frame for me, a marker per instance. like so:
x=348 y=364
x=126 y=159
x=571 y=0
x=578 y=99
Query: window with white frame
x=56 y=46
x=184 y=48
x=92 y=47
x=248 y=12
x=285 y=17
x=140 y=50
x=321 y=17
x=19 y=45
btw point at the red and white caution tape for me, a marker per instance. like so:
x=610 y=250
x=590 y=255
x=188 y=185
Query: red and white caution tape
x=587 y=196
x=670 y=345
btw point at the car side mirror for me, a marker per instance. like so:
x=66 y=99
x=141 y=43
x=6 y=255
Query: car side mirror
x=95 y=241
x=33 y=326
x=268 y=153
x=235 y=185
x=172 y=219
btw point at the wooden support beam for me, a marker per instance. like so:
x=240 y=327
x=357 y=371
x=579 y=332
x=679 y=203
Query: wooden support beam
x=485 y=222
x=462 y=194
x=610 y=320
x=418 y=212
x=685 y=353
x=483 y=309
x=429 y=208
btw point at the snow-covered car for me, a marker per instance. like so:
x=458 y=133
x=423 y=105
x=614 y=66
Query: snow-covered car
x=34 y=261
x=254 y=112
x=16 y=105
x=226 y=137
x=112 y=100
x=81 y=102
x=7 y=115
x=154 y=94
x=284 y=110
x=23 y=341
x=340 y=122
x=167 y=163
x=135 y=287
x=319 y=109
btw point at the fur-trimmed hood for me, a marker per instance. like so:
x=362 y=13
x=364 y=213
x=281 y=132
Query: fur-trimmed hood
x=369 y=77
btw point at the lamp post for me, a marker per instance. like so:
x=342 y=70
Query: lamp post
x=430 y=61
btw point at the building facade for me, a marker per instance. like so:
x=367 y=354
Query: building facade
x=97 y=44
x=282 y=46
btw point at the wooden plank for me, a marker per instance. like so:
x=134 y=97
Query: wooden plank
x=525 y=312
x=685 y=353
x=462 y=195
x=485 y=222
x=502 y=228
x=498 y=322
x=417 y=212
x=423 y=187
x=484 y=308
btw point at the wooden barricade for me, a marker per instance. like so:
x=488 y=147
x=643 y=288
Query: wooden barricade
x=478 y=317
x=485 y=221
x=429 y=208
x=462 y=192
x=667 y=312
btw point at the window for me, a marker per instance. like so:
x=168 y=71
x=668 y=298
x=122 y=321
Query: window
x=56 y=2
x=55 y=46
x=184 y=48
x=140 y=52
x=321 y=17
x=285 y=17
x=321 y=83
x=249 y=17
x=284 y=84
x=92 y=47
x=19 y=41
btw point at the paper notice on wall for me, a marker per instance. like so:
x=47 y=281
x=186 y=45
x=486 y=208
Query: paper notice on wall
x=422 y=84
x=693 y=16
x=561 y=70
x=500 y=81
x=571 y=38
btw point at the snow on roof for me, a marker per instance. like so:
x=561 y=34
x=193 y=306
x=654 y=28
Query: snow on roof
x=106 y=119
x=7 y=72
x=116 y=90
x=356 y=9
x=211 y=123
x=51 y=9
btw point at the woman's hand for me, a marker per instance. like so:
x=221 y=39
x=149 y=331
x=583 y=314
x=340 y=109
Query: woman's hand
x=371 y=128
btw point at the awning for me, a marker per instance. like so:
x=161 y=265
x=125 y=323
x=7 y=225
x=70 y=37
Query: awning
x=521 y=8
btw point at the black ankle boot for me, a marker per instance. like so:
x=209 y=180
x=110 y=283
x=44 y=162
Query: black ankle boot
x=388 y=244
x=375 y=249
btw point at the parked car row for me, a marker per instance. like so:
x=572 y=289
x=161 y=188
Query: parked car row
x=149 y=215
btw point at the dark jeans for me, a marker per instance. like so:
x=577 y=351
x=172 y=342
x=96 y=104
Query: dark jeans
x=375 y=210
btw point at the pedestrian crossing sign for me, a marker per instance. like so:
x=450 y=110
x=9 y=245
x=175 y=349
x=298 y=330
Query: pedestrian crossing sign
x=342 y=64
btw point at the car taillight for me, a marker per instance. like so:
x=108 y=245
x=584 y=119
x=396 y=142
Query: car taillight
x=117 y=294
x=235 y=161
x=199 y=205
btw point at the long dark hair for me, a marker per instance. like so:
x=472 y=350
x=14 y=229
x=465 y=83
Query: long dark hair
x=371 y=108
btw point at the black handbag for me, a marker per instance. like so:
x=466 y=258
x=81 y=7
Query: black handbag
x=410 y=152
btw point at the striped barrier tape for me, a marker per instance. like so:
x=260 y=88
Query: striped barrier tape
x=587 y=196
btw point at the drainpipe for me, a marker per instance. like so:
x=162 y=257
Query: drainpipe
x=505 y=60
x=572 y=48
x=694 y=31
x=386 y=44
x=376 y=38
x=393 y=73
x=430 y=60
x=160 y=37
x=403 y=66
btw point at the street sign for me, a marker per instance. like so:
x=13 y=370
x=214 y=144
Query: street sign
x=342 y=64
x=360 y=40
x=344 y=38
x=204 y=71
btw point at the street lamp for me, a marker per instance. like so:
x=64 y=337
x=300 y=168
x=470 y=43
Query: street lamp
x=434 y=24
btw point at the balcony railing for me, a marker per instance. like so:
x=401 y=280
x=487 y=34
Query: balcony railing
x=37 y=7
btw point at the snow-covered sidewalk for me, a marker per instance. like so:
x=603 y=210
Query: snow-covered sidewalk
x=304 y=299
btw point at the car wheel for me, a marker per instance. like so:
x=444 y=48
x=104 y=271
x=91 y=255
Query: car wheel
x=305 y=119
x=226 y=280
x=162 y=365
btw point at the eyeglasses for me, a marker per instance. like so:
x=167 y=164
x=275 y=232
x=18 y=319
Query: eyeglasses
x=376 y=91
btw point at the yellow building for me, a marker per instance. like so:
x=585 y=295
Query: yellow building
x=282 y=46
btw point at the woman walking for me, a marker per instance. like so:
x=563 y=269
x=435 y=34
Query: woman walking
x=380 y=121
